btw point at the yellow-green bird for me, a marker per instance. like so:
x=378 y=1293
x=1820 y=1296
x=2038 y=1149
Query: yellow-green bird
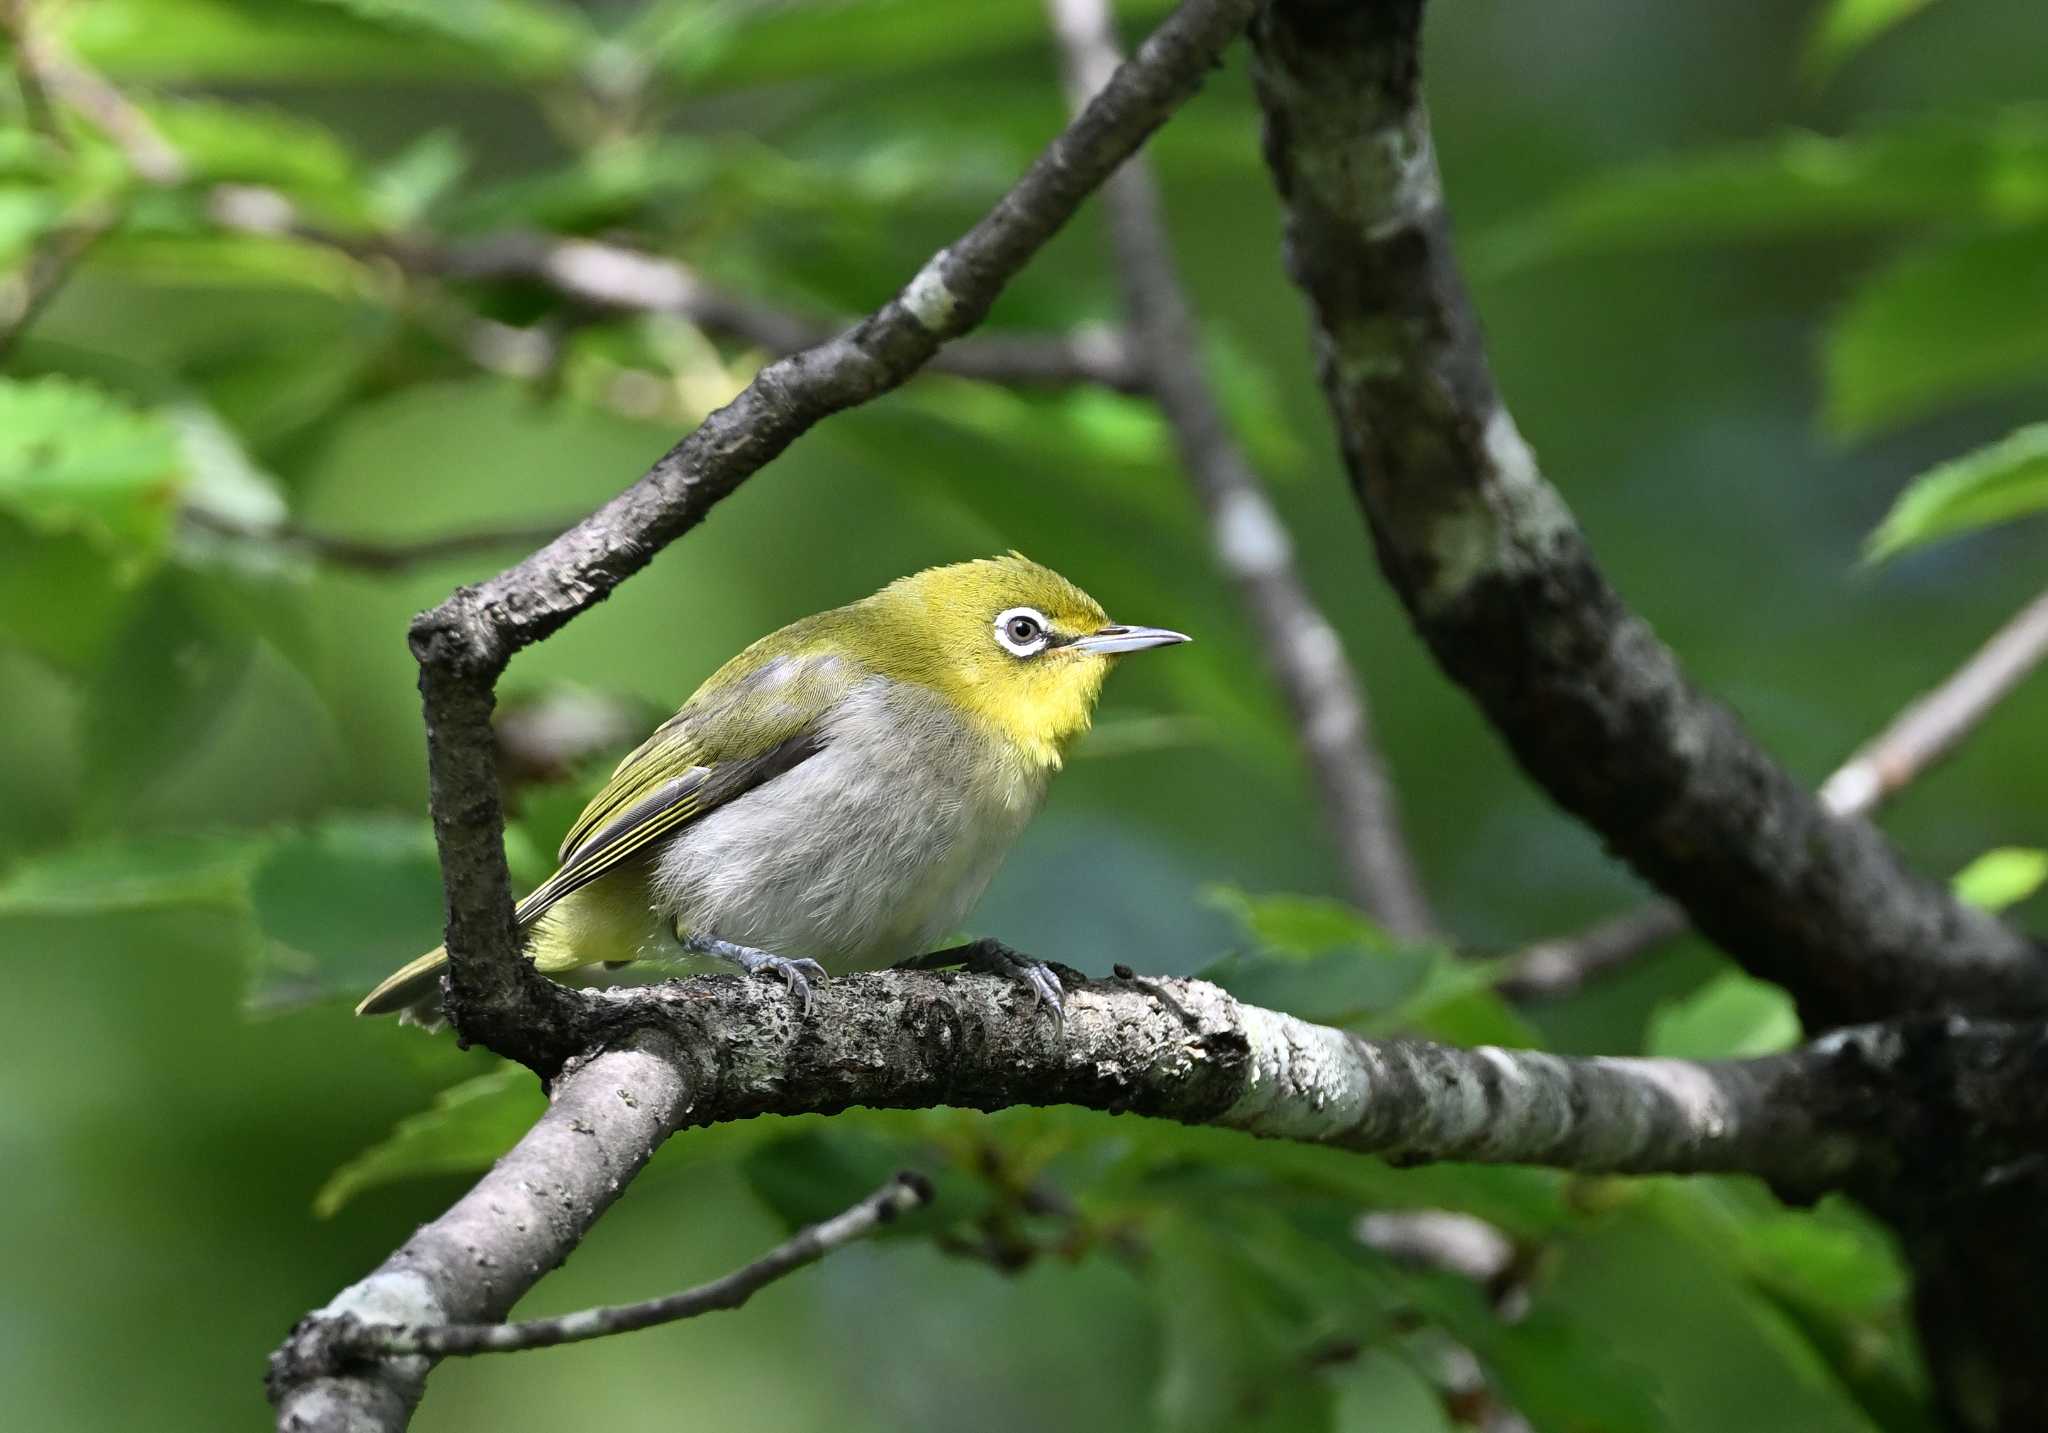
x=837 y=796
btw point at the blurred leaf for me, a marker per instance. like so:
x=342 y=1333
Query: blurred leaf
x=27 y=213
x=822 y=1168
x=1940 y=326
x=224 y=143
x=223 y=481
x=217 y=261
x=2002 y=877
x=341 y=905
x=528 y=37
x=60 y=594
x=131 y=873
x=467 y=1128
x=1235 y=1353
x=75 y=459
x=187 y=41
x=1846 y=26
x=405 y=187
x=1732 y=1016
x=1379 y=1392
x=1318 y=958
x=1943 y=170
x=1995 y=484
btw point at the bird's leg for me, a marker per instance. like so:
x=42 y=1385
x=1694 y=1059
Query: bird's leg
x=992 y=957
x=796 y=970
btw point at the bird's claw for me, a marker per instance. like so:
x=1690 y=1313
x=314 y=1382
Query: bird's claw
x=995 y=958
x=796 y=971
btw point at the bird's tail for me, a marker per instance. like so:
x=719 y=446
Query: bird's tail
x=414 y=990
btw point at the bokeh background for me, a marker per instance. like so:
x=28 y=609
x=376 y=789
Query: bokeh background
x=211 y=769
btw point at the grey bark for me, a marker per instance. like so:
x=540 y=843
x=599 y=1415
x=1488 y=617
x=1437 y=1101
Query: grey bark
x=1324 y=695
x=1915 y=741
x=1503 y=587
x=697 y=1052
x=604 y=1119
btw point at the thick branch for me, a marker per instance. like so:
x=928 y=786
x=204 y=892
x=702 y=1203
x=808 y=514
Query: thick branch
x=1504 y=588
x=494 y=996
x=1836 y=1113
x=1916 y=740
x=604 y=1120
x=1323 y=694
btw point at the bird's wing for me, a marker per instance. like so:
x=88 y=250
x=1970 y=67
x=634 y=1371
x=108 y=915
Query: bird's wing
x=758 y=718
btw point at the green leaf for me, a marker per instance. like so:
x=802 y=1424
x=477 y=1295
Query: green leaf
x=1730 y=1017
x=73 y=458
x=1319 y=959
x=1940 y=326
x=132 y=873
x=1846 y=26
x=405 y=187
x=1933 y=170
x=467 y=1127
x=27 y=212
x=2002 y=877
x=822 y=1167
x=526 y=37
x=1380 y=1392
x=1995 y=484
x=225 y=143
x=343 y=904
x=221 y=41
x=1234 y=1343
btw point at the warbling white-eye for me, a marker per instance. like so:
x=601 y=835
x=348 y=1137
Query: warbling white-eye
x=837 y=796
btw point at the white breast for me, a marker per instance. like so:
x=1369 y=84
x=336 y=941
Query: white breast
x=868 y=852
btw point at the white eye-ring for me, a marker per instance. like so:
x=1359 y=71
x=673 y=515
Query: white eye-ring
x=1023 y=631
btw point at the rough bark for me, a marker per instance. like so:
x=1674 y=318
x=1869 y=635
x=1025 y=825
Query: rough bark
x=722 y=1048
x=1503 y=587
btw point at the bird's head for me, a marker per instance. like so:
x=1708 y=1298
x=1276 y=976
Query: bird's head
x=1014 y=645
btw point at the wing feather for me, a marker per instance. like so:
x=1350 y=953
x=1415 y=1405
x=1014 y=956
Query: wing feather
x=757 y=718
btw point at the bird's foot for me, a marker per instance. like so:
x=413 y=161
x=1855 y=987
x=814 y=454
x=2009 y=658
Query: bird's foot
x=992 y=957
x=796 y=971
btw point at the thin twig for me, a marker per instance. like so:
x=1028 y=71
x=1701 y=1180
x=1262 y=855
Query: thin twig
x=45 y=275
x=56 y=76
x=373 y=554
x=903 y=1193
x=620 y=279
x=1323 y=693
x=1927 y=730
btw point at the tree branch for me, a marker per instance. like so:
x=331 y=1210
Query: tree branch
x=1323 y=694
x=1839 y=1112
x=1915 y=741
x=494 y=996
x=615 y=277
x=604 y=1119
x=899 y=1196
x=1502 y=585
x=375 y=555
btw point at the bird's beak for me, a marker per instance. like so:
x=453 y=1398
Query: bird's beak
x=1110 y=640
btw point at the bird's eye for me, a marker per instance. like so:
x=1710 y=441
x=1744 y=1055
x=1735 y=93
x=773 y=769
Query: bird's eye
x=1022 y=631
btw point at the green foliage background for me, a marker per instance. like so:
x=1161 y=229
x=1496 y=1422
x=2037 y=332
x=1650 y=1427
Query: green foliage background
x=1732 y=340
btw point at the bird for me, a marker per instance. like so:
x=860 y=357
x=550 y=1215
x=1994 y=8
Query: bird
x=835 y=798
